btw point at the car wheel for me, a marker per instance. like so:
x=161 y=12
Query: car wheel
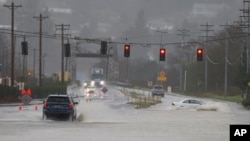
x=45 y=117
x=71 y=117
x=75 y=116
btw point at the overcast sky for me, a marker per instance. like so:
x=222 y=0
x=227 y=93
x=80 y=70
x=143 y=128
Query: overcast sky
x=114 y=17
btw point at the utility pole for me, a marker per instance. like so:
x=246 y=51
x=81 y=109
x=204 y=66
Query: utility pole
x=40 y=18
x=12 y=7
x=207 y=30
x=244 y=23
x=226 y=59
x=62 y=27
x=183 y=34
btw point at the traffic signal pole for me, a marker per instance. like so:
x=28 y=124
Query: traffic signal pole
x=161 y=46
x=127 y=55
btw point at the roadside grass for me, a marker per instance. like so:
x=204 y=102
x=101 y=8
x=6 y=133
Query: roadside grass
x=236 y=98
x=142 y=101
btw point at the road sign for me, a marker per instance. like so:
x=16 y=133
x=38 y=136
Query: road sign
x=162 y=76
x=26 y=99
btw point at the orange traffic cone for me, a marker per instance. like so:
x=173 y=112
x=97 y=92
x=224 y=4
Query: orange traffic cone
x=36 y=107
x=20 y=107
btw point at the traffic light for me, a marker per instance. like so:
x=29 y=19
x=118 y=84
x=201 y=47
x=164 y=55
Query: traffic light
x=162 y=54
x=126 y=50
x=199 y=54
x=67 y=50
x=24 y=46
x=104 y=46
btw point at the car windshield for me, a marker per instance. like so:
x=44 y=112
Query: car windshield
x=158 y=87
x=97 y=76
x=58 y=99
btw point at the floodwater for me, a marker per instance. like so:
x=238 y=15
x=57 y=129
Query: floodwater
x=109 y=118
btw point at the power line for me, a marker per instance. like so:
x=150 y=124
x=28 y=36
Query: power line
x=20 y=34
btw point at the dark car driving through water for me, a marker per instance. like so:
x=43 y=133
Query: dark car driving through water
x=59 y=106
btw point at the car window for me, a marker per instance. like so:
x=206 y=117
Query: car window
x=186 y=101
x=195 y=102
x=58 y=99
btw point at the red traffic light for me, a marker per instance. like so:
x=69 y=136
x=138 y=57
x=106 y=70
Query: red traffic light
x=127 y=47
x=162 y=54
x=162 y=51
x=126 y=50
x=199 y=51
x=199 y=54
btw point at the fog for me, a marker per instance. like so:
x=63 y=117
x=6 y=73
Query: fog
x=134 y=20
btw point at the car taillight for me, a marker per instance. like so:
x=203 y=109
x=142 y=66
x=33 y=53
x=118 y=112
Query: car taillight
x=45 y=105
x=70 y=105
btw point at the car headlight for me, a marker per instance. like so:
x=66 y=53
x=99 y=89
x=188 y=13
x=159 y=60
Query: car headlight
x=84 y=84
x=92 y=83
x=102 y=82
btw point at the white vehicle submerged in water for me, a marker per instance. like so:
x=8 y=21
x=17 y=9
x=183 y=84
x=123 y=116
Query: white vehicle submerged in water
x=189 y=103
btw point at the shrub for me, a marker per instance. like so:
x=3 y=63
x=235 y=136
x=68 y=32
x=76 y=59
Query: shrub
x=246 y=102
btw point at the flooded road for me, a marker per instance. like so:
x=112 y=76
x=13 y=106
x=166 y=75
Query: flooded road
x=107 y=117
